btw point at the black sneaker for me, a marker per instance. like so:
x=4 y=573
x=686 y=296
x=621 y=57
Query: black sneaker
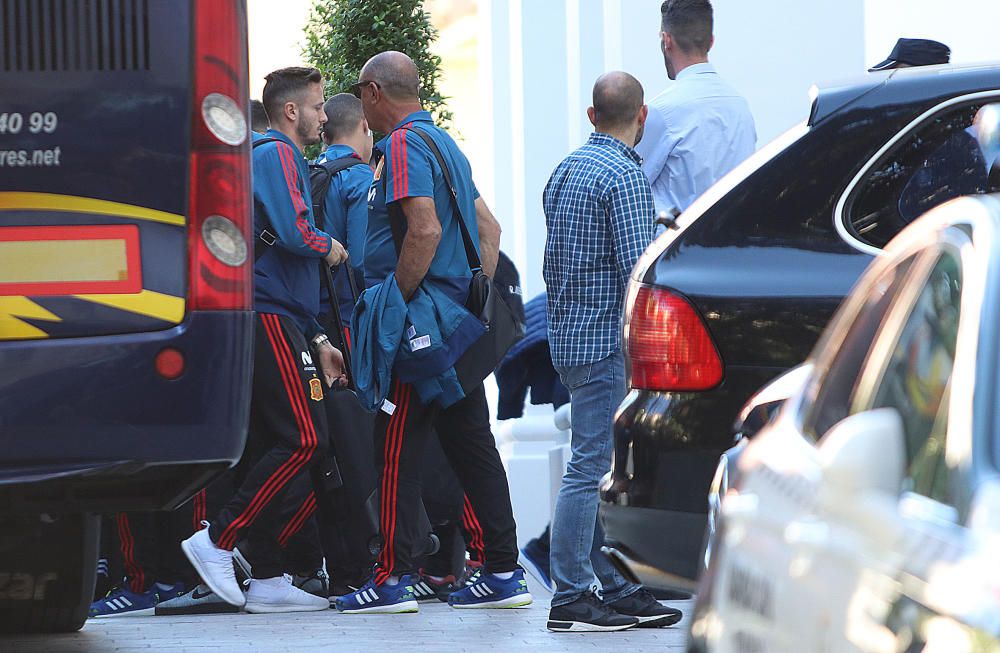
x=587 y=614
x=644 y=606
x=315 y=582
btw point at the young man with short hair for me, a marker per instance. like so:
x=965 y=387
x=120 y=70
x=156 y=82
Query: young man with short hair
x=287 y=418
x=345 y=208
x=700 y=128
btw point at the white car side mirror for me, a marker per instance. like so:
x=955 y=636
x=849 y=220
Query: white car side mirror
x=865 y=452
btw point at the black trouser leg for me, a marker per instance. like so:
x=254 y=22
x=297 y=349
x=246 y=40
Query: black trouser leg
x=299 y=539
x=137 y=536
x=400 y=439
x=468 y=443
x=286 y=412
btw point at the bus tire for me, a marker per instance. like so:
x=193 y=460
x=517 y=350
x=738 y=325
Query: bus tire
x=48 y=566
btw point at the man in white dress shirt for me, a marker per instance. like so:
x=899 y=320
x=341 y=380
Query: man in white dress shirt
x=700 y=128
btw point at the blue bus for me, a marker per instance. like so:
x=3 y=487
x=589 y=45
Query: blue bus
x=125 y=277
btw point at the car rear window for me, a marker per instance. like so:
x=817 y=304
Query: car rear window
x=937 y=162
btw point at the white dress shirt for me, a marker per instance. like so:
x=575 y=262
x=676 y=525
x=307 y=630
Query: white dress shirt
x=698 y=129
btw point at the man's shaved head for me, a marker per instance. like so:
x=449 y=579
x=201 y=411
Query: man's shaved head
x=395 y=73
x=618 y=98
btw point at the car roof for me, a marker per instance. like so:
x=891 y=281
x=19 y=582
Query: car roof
x=903 y=85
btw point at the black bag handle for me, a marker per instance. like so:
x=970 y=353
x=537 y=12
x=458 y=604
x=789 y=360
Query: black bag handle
x=397 y=235
x=266 y=239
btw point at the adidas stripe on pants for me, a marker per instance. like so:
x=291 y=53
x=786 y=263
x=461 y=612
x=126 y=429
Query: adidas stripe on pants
x=464 y=432
x=288 y=434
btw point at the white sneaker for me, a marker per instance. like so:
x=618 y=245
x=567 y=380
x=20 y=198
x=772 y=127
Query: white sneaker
x=215 y=566
x=280 y=595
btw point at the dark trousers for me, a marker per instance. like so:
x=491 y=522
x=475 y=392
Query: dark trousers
x=150 y=541
x=288 y=438
x=451 y=516
x=464 y=432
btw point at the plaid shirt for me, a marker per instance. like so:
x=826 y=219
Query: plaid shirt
x=599 y=214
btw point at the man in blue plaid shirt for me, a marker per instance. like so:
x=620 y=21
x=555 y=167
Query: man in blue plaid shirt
x=599 y=214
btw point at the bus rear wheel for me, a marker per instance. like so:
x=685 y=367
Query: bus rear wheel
x=48 y=566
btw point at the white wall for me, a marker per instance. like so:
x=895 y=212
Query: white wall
x=968 y=27
x=540 y=59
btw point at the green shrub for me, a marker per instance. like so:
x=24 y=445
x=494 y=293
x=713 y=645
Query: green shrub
x=342 y=35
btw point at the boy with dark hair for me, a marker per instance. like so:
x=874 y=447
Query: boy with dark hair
x=287 y=419
x=345 y=207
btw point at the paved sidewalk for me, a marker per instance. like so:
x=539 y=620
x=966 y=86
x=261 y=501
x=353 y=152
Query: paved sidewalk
x=435 y=628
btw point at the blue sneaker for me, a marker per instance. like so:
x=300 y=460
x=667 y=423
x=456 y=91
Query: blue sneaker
x=489 y=591
x=535 y=559
x=385 y=599
x=122 y=602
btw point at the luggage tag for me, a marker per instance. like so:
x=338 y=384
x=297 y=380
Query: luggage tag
x=417 y=343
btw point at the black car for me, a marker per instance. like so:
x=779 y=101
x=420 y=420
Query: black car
x=739 y=289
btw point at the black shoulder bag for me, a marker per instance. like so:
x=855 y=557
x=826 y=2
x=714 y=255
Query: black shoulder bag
x=503 y=328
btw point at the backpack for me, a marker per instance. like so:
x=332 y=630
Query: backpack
x=320 y=176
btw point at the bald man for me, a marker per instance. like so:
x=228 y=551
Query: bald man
x=599 y=213
x=414 y=232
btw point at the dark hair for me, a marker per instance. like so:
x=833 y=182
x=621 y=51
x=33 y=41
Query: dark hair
x=690 y=23
x=287 y=85
x=617 y=99
x=259 y=121
x=343 y=114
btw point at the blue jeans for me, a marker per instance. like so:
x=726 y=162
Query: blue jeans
x=595 y=390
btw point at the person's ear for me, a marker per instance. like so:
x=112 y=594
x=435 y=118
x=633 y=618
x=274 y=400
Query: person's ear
x=711 y=42
x=365 y=129
x=666 y=41
x=291 y=111
x=592 y=116
x=643 y=114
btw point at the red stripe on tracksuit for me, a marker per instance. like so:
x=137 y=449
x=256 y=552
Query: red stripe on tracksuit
x=475 y=530
x=200 y=512
x=309 y=236
x=395 y=164
x=400 y=160
x=390 y=481
x=288 y=469
x=137 y=578
x=296 y=523
x=307 y=436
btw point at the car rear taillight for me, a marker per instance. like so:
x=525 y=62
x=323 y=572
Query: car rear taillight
x=668 y=346
x=219 y=209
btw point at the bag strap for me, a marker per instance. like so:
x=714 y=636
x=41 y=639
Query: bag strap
x=266 y=239
x=470 y=250
x=334 y=167
x=338 y=165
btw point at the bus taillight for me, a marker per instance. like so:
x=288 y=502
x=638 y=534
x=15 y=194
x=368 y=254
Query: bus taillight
x=220 y=223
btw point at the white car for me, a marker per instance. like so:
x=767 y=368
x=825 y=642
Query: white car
x=866 y=516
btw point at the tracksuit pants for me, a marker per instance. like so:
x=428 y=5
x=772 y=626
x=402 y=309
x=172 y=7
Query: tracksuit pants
x=288 y=430
x=402 y=430
x=149 y=541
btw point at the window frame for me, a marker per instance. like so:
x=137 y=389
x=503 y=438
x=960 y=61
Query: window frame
x=840 y=214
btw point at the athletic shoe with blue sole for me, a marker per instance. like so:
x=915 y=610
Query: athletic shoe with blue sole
x=122 y=602
x=490 y=591
x=380 y=599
